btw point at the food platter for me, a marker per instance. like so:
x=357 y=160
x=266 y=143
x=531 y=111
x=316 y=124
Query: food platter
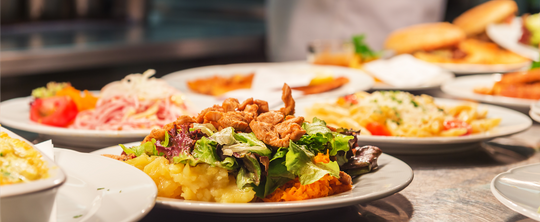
x=95 y=192
x=15 y=114
x=392 y=176
x=518 y=189
x=358 y=80
x=508 y=35
x=512 y=122
x=468 y=69
x=463 y=87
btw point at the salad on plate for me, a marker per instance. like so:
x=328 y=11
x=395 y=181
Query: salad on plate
x=244 y=152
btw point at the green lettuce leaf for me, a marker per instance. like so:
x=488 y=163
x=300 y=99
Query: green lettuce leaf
x=250 y=173
x=299 y=162
x=277 y=175
x=205 y=151
x=225 y=136
x=149 y=148
x=206 y=128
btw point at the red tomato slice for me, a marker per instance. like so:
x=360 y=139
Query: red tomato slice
x=55 y=111
x=351 y=99
x=456 y=123
x=378 y=129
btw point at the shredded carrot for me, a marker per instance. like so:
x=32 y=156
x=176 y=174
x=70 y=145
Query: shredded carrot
x=322 y=158
x=83 y=102
x=293 y=190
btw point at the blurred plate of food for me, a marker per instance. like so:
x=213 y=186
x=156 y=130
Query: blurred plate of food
x=462 y=47
x=408 y=124
x=122 y=111
x=521 y=36
x=404 y=72
x=29 y=181
x=535 y=116
x=518 y=190
x=518 y=89
x=206 y=86
x=94 y=192
x=392 y=176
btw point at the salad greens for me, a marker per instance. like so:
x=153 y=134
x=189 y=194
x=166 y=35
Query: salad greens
x=362 y=49
x=255 y=164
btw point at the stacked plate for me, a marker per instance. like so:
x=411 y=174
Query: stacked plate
x=535 y=111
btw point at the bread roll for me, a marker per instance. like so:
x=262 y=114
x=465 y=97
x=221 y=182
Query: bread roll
x=424 y=37
x=475 y=20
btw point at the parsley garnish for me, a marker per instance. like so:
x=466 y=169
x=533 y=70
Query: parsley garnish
x=101 y=188
x=414 y=103
x=77 y=216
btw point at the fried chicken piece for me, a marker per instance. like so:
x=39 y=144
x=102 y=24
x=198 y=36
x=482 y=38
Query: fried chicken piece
x=345 y=178
x=200 y=117
x=237 y=120
x=159 y=134
x=291 y=128
x=261 y=104
x=273 y=117
x=267 y=127
x=230 y=104
x=286 y=97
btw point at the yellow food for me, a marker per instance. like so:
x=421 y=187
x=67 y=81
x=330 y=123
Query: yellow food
x=19 y=162
x=202 y=182
x=403 y=114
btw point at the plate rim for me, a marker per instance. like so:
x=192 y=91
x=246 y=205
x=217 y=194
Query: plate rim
x=460 y=68
x=509 y=203
x=140 y=213
x=448 y=76
x=282 y=207
x=499 y=100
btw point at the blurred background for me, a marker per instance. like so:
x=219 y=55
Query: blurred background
x=93 y=42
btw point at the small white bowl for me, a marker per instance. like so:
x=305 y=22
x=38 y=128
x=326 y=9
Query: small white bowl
x=32 y=201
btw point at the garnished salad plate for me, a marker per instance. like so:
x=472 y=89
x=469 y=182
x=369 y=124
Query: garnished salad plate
x=102 y=189
x=293 y=73
x=16 y=112
x=392 y=176
x=518 y=189
x=512 y=122
x=463 y=87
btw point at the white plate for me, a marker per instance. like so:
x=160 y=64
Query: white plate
x=358 y=80
x=462 y=69
x=508 y=35
x=512 y=122
x=535 y=107
x=127 y=195
x=445 y=77
x=519 y=189
x=463 y=87
x=15 y=113
x=534 y=116
x=392 y=176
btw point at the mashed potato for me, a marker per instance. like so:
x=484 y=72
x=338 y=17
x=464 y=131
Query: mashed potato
x=19 y=162
x=202 y=182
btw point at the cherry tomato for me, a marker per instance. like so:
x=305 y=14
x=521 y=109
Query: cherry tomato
x=456 y=123
x=55 y=111
x=351 y=98
x=378 y=129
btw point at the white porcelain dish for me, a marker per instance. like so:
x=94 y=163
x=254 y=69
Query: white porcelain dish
x=508 y=35
x=358 y=80
x=463 y=87
x=392 y=176
x=37 y=197
x=445 y=77
x=512 y=122
x=102 y=189
x=468 y=69
x=519 y=190
x=16 y=112
x=535 y=116
x=535 y=107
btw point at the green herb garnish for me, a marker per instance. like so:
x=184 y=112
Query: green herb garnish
x=77 y=216
x=101 y=188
